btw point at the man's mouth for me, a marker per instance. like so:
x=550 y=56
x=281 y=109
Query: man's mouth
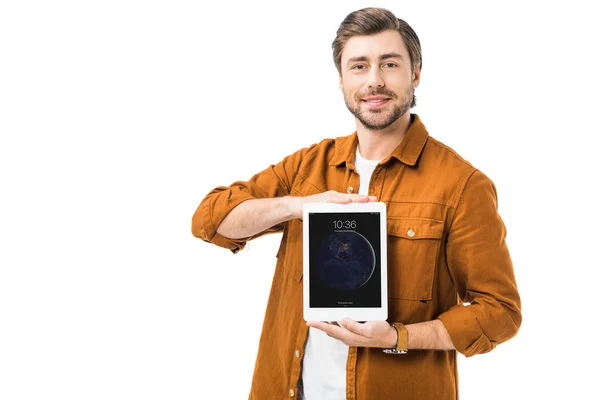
x=375 y=101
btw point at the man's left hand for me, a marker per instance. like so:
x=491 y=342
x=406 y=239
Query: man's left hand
x=357 y=334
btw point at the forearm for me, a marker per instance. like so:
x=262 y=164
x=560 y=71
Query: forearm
x=254 y=216
x=430 y=335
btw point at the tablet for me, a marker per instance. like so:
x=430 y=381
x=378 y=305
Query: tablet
x=345 y=261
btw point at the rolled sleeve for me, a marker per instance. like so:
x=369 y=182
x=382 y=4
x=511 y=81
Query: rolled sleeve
x=211 y=212
x=465 y=332
x=274 y=181
x=481 y=268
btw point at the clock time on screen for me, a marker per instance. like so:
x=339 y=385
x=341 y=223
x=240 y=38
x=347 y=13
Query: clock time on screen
x=344 y=224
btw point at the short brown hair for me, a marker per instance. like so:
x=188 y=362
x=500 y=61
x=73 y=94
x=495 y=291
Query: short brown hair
x=371 y=21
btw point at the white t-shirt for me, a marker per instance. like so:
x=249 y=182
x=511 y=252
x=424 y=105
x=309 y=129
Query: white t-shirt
x=324 y=363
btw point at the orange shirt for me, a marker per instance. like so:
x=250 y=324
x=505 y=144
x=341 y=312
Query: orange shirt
x=446 y=247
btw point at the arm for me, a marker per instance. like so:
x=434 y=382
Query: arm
x=481 y=269
x=257 y=215
x=249 y=221
x=430 y=335
x=231 y=216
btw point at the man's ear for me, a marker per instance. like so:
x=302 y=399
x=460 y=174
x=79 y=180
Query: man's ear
x=417 y=76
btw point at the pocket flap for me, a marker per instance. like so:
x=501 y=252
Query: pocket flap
x=415 y=228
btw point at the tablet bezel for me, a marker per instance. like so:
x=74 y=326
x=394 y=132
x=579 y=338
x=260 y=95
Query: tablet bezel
x=337 y=314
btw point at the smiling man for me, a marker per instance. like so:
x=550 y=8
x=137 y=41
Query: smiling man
x=378 y=98
x=451 y=281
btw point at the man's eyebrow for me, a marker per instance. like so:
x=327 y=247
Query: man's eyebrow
x=355 y=59
x=381 y=57
x=390 y=55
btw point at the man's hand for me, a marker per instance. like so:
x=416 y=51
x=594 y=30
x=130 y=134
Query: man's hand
x=367 y=334
x=295 y=203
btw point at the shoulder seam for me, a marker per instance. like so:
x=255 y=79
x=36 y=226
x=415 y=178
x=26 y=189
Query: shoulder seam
x=449 y=149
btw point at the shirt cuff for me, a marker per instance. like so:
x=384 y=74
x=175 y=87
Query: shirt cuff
x=464 y=330
x=210 y=231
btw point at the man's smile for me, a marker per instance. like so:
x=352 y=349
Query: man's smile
x=375 y=101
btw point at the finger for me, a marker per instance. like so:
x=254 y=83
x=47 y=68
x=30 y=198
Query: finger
x=344 y=198
x=341 y=199
x=356 y=327
x=350 y=338
x=329 y=328
x=335 y=331
x=363 y=198
x=356 y=198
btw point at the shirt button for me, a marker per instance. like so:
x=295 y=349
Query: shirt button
x=410 y=233
x=350 y=189
x=297 y=354
x=291 y=392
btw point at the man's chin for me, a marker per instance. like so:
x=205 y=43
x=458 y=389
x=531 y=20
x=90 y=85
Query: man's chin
x=376 y=126
x=377 y=123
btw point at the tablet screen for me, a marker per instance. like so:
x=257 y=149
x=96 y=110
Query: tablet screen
x=345 y=260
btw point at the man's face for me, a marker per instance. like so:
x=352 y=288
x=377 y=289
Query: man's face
x=377 y=80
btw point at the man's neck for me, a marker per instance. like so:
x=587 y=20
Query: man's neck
x=377 y=145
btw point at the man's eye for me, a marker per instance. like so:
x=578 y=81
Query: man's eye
x=359 y=67
x=389 y=65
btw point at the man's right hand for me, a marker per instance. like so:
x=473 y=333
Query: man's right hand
x=295 y=203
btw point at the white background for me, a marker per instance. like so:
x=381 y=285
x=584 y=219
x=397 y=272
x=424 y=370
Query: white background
x=118 y=117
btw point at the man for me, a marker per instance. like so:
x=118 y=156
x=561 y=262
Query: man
x=451 y=281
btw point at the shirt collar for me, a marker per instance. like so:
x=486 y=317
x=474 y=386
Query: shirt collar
x=408 y=151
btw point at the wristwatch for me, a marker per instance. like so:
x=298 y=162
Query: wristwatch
x=402 y=340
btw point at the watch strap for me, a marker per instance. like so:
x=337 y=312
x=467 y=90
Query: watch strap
x=401 y=341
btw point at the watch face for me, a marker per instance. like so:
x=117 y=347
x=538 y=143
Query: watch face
x=345 y=259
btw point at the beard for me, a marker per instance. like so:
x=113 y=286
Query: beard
x=378 y=119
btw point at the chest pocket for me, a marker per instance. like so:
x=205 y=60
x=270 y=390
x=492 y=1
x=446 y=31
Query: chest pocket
x=413 y=248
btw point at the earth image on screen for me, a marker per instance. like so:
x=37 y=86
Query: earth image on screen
x=346 y=260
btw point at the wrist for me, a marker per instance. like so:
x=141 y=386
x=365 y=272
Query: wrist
x=392 y=338
x=292 y=206
x=401 y=344
x=286 y=204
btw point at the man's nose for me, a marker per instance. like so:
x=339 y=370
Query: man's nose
x=375 y=78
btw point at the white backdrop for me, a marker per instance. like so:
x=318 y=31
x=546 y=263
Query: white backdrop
x=118 y=117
